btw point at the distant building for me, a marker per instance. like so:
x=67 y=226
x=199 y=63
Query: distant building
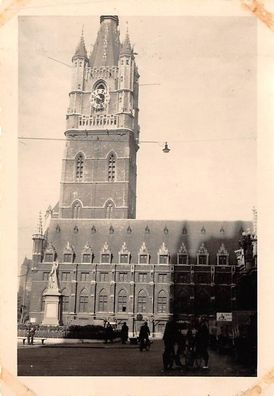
x=25 y=282
x=112 y=266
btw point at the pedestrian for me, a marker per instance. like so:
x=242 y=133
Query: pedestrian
x=179 y=348
x=109 y=333
x=189 y=348
x=124 y=333
x=144 y=337
x=170 y=338
x=31 y=333
x=202 y=341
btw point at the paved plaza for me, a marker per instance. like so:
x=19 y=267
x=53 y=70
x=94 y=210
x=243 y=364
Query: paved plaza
x=98 y=359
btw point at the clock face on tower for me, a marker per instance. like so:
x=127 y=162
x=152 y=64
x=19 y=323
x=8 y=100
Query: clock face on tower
x=99 y=97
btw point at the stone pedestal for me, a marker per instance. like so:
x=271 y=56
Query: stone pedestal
x=52 y=308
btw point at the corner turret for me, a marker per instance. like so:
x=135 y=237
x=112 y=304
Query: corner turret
x=38 y=244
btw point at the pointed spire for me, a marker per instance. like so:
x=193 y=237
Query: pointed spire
x=126 y=46
x=106 y=48
x=39 y=224
x=81 y=51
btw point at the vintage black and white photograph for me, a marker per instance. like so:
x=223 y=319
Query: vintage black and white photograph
x=137 y=196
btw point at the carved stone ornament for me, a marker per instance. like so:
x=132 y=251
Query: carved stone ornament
x=203 y=249
x=68 y=248
x=143 y=249
x=222 y=250
x=105 y=248
x=183 y=249
x=163 y=249
x=87 y=249
x=50 y=249
x=124 y=249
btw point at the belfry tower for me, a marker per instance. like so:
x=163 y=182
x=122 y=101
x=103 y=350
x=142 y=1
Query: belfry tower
x=99 y=166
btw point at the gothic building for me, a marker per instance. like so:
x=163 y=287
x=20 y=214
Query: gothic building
x=110 y=265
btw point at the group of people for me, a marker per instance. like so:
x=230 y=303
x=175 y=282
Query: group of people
x=193 y=346
x=143 y=338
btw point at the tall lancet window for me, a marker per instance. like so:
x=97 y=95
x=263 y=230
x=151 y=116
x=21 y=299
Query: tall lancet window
x=111 y=167
x=79 y=167
x=109 y=210
x=76 y=209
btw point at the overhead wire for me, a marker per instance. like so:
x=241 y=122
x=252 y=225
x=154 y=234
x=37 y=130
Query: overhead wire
x=141 y=141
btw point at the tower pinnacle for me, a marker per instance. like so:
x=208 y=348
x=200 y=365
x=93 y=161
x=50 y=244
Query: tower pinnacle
x=126 y=46
x=80 y=51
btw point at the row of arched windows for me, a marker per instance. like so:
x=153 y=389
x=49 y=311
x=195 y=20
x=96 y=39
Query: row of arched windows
x=103 y=300
x=80 y=163
x=77 y=206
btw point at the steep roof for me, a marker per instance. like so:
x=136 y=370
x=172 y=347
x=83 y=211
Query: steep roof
x=107 y=46
x=79 y=232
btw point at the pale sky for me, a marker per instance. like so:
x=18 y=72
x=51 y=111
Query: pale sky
x=205 y=107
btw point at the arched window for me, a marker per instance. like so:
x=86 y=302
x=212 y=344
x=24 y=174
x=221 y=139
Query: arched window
x=79 y=167
x=103 y=301
x=162 y=302
x=111 y=167
x=141 y=301
x=83 y=301
x=100 y=86
x=122 y=301
x=76 y=209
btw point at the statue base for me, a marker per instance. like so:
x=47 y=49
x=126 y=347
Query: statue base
x=52 y=308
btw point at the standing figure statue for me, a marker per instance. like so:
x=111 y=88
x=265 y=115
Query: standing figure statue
x=53 y=282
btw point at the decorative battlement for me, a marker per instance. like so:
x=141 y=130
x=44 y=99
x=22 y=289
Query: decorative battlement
x=98 y=121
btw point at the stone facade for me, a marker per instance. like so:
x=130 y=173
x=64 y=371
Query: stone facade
x=115 y=269
x=111 y=266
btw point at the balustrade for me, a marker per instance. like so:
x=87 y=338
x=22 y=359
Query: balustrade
x=102 y=72
x=98 y=121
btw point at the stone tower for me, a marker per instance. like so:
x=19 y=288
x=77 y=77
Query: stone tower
x=99 y=165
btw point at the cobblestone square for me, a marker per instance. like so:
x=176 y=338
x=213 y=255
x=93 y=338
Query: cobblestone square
x=98 y=359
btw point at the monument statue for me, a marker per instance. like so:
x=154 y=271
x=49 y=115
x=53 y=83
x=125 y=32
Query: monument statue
x=52 y=298
x=53 y=280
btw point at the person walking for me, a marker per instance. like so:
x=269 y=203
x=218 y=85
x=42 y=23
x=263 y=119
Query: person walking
x=124 y=333
x=170 y=337
x=179 y=347
x=202 y=341
x=144 y=337
x=31 y=333
x=109 y=333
